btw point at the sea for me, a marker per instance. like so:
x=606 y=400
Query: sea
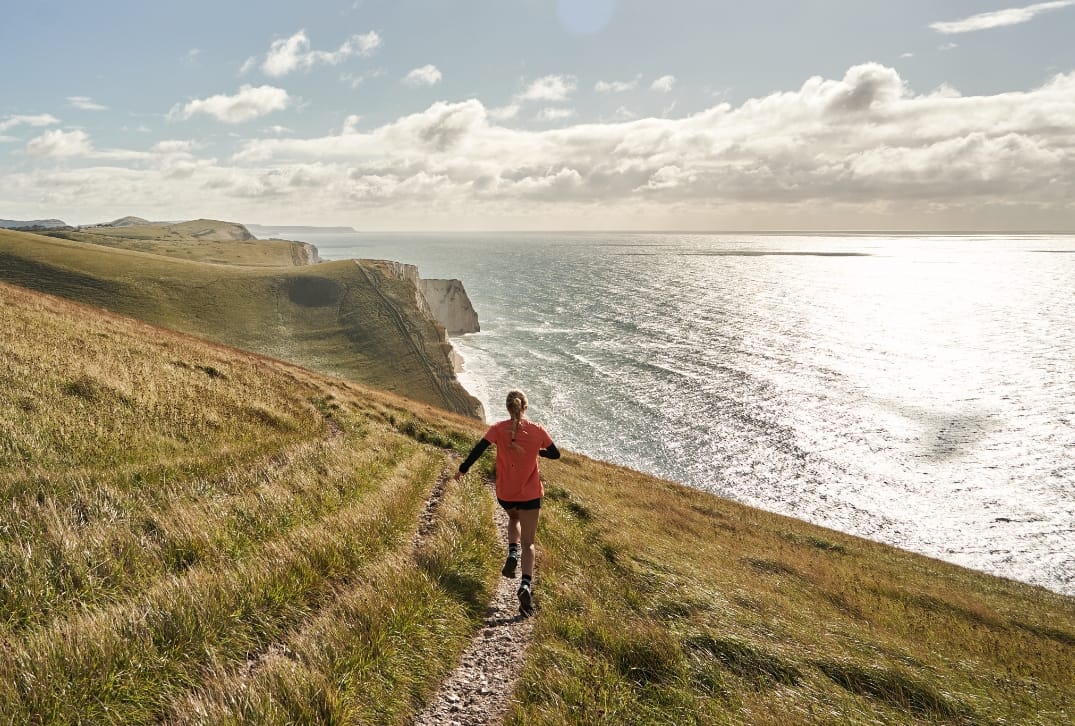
x=916 y=390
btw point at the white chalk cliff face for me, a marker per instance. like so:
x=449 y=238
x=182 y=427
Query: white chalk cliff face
x=450 y=305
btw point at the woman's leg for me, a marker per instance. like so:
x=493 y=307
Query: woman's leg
x=528 y=522
x=513 y=530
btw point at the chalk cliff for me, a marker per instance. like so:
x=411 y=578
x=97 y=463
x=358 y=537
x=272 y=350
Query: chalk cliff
x=450 y=305
x=452 y=302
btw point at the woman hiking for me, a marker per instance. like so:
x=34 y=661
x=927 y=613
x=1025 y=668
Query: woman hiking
x=519 y=442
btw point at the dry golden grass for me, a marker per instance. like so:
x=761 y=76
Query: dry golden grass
x=666 y=605
x=186 y=518
x=201 y=535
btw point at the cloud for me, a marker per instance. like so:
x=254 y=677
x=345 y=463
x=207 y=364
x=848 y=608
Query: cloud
x=173 y=146
x=44 y=119
x=548 y=88
x=505 y=113
x=998 y=18
x=663 y=84
x=427 y=75
x=57 y=144
x=838 y=152
x=356 y=80
x=249 y=103
x=865 y=136
x=616 y=86
x=555 y=114
x=60 y=144
x=85 y=103
x=288 y=54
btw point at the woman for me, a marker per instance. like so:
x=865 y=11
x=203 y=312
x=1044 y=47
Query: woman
x=519 y=442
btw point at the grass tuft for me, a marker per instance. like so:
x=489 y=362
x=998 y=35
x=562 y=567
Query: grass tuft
x=897 y=689
x=745 y=660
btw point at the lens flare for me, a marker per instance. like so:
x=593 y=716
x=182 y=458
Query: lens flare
x=585 y=17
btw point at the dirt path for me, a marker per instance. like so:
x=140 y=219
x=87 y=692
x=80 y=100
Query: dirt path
x=479 y=690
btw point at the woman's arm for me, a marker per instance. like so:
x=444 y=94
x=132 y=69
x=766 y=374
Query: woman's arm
x=475 y=453
x=550 y=451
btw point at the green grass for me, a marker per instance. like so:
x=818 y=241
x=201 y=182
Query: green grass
x=220 y=243
x=347 y=318
x=194 y=534
x=198 y=534
x=665 y=605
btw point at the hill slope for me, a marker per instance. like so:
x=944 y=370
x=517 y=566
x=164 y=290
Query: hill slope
x=195 y=534
x=354 y=319
x=201 y=240
x=16 y=224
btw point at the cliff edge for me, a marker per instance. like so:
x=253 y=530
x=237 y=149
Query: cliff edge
x=450 y=305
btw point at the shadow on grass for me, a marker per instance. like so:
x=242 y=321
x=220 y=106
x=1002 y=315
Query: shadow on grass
x=745 y=661
x=816 y=542
x=896 y=689
x=933 y=604
x=466 y=588
x=1060 y=636
x=772 y=567
x=563 y=497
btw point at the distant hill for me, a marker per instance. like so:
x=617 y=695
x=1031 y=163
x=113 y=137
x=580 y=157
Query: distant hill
x=357 y=319
x=268 y=230
x=131 y=222
x=202 y=241
x=40 y=223
x=211 y=229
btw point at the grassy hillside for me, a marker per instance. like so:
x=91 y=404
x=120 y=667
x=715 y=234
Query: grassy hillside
x=353 y=319
x=201 y=240
x=195 y=534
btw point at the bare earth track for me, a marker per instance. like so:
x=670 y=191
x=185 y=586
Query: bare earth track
x=479 y=690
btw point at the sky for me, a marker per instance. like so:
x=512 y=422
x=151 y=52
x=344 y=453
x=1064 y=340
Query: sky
x=542 y=114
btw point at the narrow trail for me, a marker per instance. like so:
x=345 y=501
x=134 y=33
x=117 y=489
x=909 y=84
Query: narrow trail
x=479 y=690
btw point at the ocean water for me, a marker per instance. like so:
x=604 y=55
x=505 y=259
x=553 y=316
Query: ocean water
x=919 y=391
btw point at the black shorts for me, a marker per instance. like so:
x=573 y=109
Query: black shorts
x=529 y=504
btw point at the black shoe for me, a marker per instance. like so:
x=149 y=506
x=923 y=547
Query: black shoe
x=509 y=566
x=526 y=599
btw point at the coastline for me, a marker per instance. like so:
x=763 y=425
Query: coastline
x=468 y=377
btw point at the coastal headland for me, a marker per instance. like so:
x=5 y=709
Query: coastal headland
x=228 y=500
x=362 y=319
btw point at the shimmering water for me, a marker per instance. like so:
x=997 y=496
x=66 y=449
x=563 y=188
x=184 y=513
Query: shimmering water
x=917 y=391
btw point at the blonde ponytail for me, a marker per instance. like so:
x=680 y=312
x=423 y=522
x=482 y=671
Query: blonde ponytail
x=516 y=405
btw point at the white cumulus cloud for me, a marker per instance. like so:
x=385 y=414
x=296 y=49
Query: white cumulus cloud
x=249 y=103
x=44 y=119
x=663 y=84
x=549 y=88
x=85 y=103
x=998 y=18
x=615 y=86
x=59 y=144
x=427 y=75
x=861 y=148
x=555 y=114
x=288 y=54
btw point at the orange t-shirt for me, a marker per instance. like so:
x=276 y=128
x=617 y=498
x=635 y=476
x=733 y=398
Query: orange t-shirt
x=517 y=478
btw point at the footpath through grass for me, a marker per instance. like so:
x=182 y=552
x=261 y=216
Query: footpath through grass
x=197 y=535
